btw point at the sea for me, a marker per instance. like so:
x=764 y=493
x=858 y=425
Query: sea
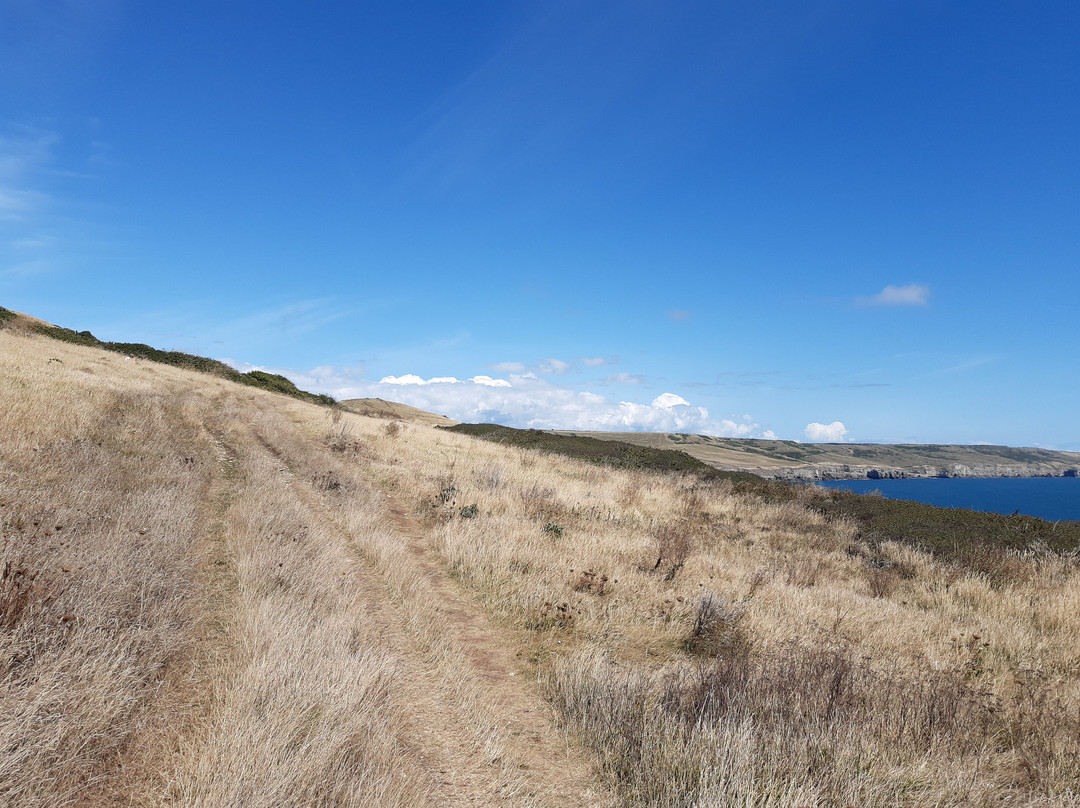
x=1050 y=498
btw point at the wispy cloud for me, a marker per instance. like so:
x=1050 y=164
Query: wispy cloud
x=545 y=367
x=549 y=82
x=554 y=367
x=913 y=294
x=623 y=378
x=25 y=155
x=25 y=269
x=968 y=365
x=205 y=326
x=288 y=320
x=678 y=315
x=753 y=378
x=30 y=243
x=507 y=367
x=599 y=361
x=42 y=224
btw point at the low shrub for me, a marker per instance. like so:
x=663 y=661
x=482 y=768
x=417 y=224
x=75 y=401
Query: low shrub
x=717 y=628
x=977 y=540
x=746 y=730
x=592 y=582
x=550 y=616
x=673 y=545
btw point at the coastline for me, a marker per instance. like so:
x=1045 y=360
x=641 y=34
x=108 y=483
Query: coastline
x=809 y=462
x=824 y=472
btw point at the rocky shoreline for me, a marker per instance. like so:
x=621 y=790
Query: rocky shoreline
x=851 y=472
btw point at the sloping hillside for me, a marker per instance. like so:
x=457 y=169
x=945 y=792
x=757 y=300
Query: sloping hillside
x=393 y=411
x=216 y=595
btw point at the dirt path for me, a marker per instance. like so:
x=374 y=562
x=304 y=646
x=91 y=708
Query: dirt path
x=485 y=737
x=555 y=769
x=134 y=776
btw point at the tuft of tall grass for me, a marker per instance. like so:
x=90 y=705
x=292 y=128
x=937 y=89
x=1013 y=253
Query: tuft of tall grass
x=817 y=725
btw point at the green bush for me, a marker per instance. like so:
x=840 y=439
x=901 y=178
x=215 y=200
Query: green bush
x=616 y=454
x=978 y=540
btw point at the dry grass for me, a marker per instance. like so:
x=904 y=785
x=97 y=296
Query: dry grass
x=98 y=530
x=216 y=596
x=847 y=678
x=308 y=693
x=203 y=602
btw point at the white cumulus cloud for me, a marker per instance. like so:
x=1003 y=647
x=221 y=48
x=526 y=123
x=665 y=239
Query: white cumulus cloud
x=522 y=400
x=826 y=433
x=913 y=294
x=408 y=378
x=669 y=400
x=487 y=381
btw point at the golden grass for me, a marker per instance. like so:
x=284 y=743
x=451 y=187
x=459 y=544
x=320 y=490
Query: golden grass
x=217 y=596
x=948 y=687
x=206 y=604
x=393 y=411
x=304 y=714
x=98 y=526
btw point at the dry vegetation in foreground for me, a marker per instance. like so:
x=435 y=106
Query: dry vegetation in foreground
x=204 y=603
x=213 y=595
x=716 y=649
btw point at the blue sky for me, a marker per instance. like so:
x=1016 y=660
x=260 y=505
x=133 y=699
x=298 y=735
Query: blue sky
x=813 y=220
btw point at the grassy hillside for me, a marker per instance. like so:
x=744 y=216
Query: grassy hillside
x=617 y=454
x=209 y=595
x=213 y=595
x=393 y=411
x=137 y=350
x=971 y=538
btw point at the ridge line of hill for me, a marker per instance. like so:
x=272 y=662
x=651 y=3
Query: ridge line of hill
x=253 y=378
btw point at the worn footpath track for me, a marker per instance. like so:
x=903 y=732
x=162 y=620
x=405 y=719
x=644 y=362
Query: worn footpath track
x=465 y=722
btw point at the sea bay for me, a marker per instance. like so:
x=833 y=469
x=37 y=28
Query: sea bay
x=1050 y=498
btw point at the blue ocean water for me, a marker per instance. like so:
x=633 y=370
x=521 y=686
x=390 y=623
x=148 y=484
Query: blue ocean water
x=1050 y=498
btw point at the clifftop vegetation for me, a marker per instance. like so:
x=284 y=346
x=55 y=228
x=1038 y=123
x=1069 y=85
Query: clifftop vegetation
x=956 y=534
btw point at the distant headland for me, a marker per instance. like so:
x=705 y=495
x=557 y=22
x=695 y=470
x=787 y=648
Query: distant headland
x=790 y=460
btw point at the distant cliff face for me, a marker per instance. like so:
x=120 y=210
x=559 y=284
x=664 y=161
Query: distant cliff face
x=790 y=460
x=849 y=472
